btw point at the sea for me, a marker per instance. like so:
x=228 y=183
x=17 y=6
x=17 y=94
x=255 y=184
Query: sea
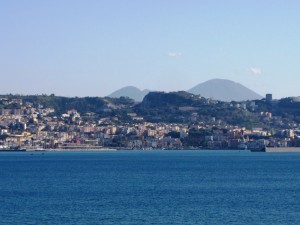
x=149 y=187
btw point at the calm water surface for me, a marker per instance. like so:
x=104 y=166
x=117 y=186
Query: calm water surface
x=150 y=187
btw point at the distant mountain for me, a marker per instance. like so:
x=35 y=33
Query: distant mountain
x=218 y=89
x=224 y=90
x=131 y=92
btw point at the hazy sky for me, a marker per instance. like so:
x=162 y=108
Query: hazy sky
x=93 y=47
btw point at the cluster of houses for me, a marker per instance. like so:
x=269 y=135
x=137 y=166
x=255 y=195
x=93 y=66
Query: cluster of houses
x=23 y=125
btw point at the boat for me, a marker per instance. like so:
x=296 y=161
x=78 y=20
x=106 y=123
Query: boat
x=243 y=146
x=277 y=149
x=258 y=150
x=282 y=149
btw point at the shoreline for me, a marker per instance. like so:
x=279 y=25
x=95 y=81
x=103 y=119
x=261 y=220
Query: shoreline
x=266 y=150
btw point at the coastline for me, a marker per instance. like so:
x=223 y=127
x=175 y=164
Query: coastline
x=98 y=149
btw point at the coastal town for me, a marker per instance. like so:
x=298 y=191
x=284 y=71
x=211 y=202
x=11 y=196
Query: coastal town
x=26 y=125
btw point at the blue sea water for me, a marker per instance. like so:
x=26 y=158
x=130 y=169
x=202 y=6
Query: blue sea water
x=150 y=187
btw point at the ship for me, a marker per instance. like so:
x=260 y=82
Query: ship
x=277 y=149
x=282 y=149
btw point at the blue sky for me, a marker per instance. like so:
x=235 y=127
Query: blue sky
x=93 y=47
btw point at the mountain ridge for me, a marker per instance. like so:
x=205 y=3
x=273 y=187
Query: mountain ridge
x=217 y=89
x=131 y=92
